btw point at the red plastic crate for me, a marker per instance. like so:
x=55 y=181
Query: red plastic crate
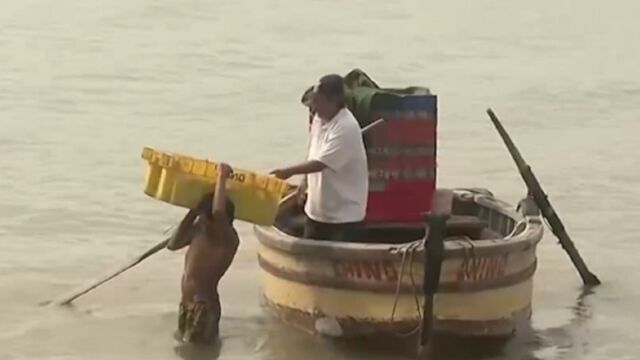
x=402 y=167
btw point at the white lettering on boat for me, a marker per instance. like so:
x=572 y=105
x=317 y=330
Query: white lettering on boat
x=482 y=268
x=376 y=270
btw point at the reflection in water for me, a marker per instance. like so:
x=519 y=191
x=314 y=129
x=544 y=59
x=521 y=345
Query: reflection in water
x=550 y=342
x=581 y=310
x=201 y=352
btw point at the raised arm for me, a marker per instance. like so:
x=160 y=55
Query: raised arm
x=218 y=224
x=219 y=205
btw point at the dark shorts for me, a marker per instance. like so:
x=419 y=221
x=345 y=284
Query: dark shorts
x=334 y=232
x=198 y=322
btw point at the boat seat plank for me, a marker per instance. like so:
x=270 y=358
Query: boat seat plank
x=454 y=222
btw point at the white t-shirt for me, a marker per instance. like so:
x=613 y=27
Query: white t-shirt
x=337 y=194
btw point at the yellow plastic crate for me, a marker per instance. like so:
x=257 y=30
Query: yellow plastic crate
x=182 y=180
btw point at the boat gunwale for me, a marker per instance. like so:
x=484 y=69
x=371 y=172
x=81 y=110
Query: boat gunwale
x=275 y=238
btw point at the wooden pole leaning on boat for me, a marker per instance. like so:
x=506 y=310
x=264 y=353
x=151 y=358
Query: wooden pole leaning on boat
x=433 y=258
x=541 y=200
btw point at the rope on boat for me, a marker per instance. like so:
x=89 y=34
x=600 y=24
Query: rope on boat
x=471 y=250
x=410 y=249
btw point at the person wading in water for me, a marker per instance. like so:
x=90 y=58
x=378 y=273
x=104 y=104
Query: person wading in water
x=208 y=231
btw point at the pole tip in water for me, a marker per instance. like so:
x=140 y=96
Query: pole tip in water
x=591 y=280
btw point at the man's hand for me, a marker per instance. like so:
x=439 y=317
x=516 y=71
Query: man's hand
x=307 y=167
x=282 y=174
x=301 y=194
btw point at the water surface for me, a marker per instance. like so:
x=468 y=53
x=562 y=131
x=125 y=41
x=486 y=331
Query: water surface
x=85 y=84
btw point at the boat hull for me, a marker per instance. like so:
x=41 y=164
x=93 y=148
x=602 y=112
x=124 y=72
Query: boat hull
x=361 y=289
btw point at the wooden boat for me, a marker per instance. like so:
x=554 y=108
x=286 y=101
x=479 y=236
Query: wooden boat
x=373 y=287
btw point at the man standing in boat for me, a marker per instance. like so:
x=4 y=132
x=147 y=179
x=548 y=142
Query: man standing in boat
x=336 y=167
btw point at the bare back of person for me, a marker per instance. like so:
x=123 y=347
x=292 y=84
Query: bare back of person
x=207 y=260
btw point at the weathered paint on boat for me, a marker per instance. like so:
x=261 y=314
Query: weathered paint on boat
x=349 y=289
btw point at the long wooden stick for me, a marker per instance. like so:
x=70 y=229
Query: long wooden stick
x=67 y=299
x=541 y=200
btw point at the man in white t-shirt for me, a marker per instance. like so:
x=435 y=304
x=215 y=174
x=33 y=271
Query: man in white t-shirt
x=336 y=167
